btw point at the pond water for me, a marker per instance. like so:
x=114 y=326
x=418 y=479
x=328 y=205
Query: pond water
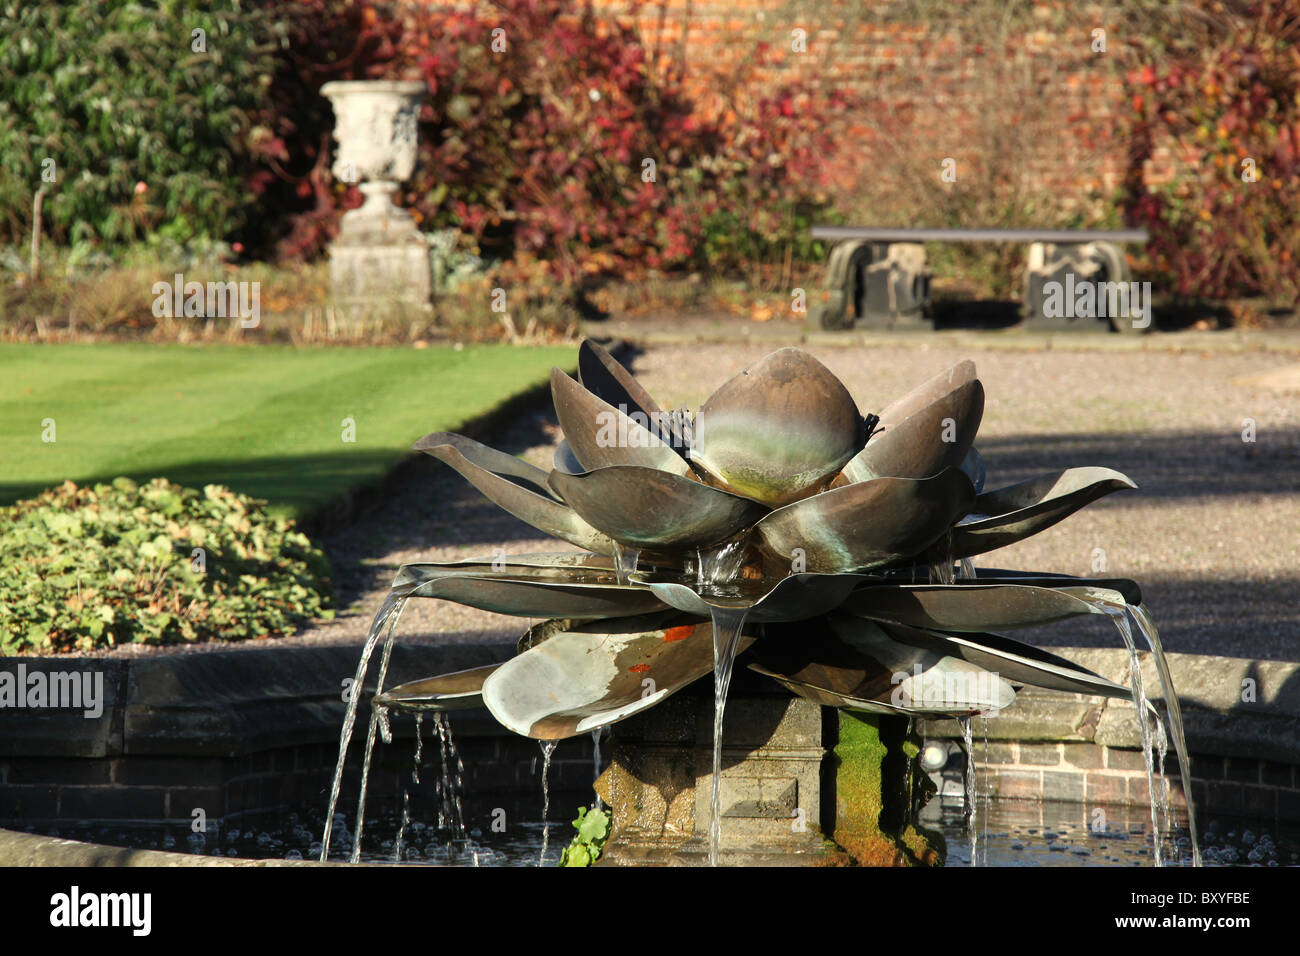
x=1021 y=833
x=1009 y=833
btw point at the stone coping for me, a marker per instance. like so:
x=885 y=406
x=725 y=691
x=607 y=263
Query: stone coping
x=33 y=849
x=1216 y=718
x=221 y=703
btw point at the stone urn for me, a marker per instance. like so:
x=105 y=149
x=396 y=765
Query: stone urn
x=380 y=260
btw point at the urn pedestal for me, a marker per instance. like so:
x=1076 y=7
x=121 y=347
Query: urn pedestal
x=379 y=263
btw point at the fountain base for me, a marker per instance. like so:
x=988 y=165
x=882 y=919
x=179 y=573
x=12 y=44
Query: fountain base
x=790 y=778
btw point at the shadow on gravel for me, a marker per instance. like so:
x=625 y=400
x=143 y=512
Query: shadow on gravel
x=1164 y=464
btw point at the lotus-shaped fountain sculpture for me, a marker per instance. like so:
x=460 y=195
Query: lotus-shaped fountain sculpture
x=778 y=522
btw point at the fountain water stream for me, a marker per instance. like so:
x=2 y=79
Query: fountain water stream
x=1112 y=603
x=1119 y=617
x=548 y=748
x=1148 y=628
x=595 y=759
x=625 y=561
x=386 y=617
x=727 y=625
x=968 y=740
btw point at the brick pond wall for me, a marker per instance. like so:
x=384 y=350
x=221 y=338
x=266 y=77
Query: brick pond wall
x=236 y=731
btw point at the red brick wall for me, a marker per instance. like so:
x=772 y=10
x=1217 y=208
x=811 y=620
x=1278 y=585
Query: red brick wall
x=1012 y=91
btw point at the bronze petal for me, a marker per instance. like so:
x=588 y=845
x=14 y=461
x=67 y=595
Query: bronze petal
x=972 y=606
x=841 y=661
x=778 y=431
x=601 y=435
x=794 y=598
x=460 y=690
x=538 y=586
x=1013 y=660
x=604 y=377
x=866 y=525
x=648 y=508
x=932 y=438
x=1007 y=515
x=574 y=681
x=487 y=470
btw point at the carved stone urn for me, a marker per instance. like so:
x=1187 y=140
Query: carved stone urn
x=380 y=260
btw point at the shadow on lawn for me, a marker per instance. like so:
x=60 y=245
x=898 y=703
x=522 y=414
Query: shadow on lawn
x=312 y=486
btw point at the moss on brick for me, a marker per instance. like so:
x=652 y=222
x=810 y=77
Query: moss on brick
x=877 y=786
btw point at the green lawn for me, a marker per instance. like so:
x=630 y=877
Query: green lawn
x=266 y=420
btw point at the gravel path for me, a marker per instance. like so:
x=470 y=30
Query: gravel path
x=1212 y=534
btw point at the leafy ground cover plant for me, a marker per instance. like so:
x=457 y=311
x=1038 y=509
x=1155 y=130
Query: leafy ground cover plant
x=154 y=563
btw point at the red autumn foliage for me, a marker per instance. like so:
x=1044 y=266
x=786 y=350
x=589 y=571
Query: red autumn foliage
x=1229 y=102
x=554 y=140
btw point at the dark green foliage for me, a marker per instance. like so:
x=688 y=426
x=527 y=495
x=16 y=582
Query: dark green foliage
x=146 y=134
x=115 y=564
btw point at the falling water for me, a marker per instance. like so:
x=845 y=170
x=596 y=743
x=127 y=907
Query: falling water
x=1118 y=614
x=1148 y=628
x=378 y=719
x=406 y=794
x=968 y=739
x=942 y=572
x=625 y=560
x=548 y=748
x=419 y=746
x=451 y=782
x=966 y=569
x=984 y=718
x=595 y=760
x=388 y=612
x=1113 y=604
x=727 y=624
x=401 y=829
x=719 y=565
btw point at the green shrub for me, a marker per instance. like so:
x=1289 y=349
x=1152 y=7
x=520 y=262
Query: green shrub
x=151 y=564
x=145 y=133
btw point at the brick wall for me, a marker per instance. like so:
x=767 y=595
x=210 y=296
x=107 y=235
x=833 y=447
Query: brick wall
x=1013 y=92
x=1097 y=775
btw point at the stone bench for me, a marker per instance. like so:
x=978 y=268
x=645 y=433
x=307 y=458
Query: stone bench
x=878 y=278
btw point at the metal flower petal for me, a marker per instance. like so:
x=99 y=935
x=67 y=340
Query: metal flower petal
x=930 y=429
x=460 y=690
x=1012 y=660
x=1007 y=515
x=605 y=378
x=538 y=585
x=491 y=471
x=843 y=661
x=868 y=524
x=600 y=435
x=799 y=597
x=779 y=431
x=648 y=508
x=969 y=606
x=576 y=681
